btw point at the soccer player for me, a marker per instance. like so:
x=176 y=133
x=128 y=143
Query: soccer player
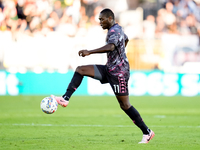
x=115 y=72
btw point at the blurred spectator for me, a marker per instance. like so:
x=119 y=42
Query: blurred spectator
x=11 y=18
x=160 y=27
x=197 y=10
x=20 y=9
x=160 y=24
x=2 y=17
x=185 y=7
x=74 y=11
x=89 y=5
x=58 y=9
x=169 y=17
x=191 y=23
x=183 y=28
x=66 y=26
x=53 y=20
x=1 y=4
x=149 y=27
x=175 y=6
x=42 y=6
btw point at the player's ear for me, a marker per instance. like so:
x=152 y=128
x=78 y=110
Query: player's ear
x=110 y=19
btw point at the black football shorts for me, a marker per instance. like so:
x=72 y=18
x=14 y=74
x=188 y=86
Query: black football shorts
x=119 y=84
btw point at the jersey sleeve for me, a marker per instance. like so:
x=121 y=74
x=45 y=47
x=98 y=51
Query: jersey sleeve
x=125 y=37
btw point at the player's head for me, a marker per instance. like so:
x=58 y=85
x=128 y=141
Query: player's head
x=107 y=18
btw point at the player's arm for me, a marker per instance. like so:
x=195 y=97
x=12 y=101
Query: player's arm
x=126 y=39
x=104 y=49
x=126 y=42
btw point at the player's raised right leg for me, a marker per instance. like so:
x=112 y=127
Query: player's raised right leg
x=76 y=80
x=61 y=101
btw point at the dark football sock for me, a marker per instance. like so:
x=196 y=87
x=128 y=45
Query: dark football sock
x=135 y=116
x=73 y=85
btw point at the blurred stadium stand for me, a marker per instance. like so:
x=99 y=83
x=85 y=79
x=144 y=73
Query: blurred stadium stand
x=47 y=34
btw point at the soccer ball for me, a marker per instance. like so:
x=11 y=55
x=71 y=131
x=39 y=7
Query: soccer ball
x=49 y=105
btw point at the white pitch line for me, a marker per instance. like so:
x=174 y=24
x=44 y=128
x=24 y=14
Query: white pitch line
x=87 y=125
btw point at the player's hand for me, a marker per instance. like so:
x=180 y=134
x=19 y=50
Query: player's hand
x=83 y=53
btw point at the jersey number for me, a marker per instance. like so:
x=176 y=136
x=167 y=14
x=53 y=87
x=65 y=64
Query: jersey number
x=116 y=88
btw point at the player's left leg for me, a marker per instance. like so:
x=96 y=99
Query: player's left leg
x=132 y=113
x=135 y=117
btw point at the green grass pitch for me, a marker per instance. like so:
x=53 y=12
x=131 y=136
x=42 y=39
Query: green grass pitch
x=97 y=123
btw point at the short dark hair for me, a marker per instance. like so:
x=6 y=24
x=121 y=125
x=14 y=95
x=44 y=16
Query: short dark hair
x=107 y=12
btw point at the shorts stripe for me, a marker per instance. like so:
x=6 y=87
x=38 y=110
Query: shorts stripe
x=97 y=74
